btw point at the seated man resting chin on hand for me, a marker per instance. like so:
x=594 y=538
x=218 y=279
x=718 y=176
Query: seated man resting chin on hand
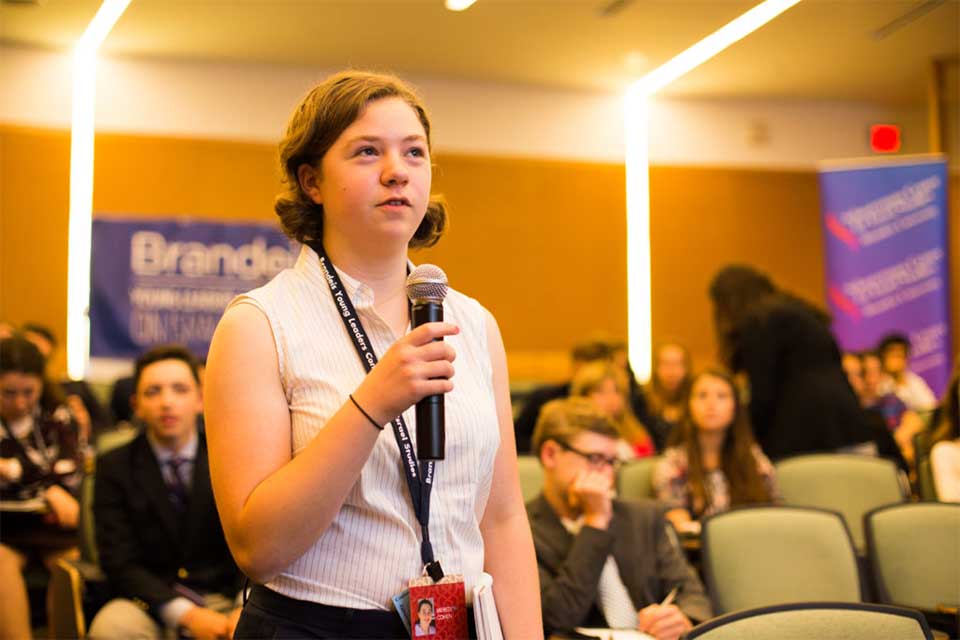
x=603 y=562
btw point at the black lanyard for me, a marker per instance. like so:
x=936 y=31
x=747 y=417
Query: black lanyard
x=419 y=476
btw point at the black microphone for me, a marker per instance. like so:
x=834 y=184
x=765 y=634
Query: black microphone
x=426 y=289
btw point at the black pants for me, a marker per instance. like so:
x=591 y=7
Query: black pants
x=267 y=614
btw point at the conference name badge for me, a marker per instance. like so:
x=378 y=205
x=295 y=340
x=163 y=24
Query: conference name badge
x=438 y=609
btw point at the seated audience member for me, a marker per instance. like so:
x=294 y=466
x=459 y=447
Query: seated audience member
x=603 y=562
x=40 y=464
x=669 y=385
x=866 y=377
x=582 y=353
x=874 y=395
x=894 y=352
x=159 y=536
x=606 y=386
x=81 y=401
x=638 y=400
x=120 y=404
x=945 y=436
x=853 y=366
x=716 y=464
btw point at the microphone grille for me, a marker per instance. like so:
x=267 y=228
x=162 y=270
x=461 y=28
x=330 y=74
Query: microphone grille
x=427 y=282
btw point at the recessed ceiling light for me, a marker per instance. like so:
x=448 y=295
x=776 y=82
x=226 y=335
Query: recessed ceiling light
x=459 y=5
x=635 y=62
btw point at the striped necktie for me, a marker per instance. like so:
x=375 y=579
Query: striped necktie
x=177 y=488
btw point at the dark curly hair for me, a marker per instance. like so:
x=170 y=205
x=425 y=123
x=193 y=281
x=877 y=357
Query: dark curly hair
x=315 y=125
x=19 y=355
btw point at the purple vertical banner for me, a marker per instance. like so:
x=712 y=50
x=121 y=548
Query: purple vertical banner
x=885 y=230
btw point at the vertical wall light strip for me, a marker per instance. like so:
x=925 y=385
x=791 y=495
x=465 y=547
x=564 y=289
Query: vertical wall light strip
x=638 y=234
x=636 y=125
x=81 y=184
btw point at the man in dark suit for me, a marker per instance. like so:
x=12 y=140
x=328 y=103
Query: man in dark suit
x=603 y=562
x=160 y=540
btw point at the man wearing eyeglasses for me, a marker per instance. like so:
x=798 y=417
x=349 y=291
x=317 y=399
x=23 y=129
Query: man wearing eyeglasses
x=603 y=562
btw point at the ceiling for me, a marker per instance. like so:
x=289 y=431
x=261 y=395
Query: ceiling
x=820 y=49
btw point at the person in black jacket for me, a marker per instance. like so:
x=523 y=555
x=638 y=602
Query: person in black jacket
x=800 y=398
x=158 y=534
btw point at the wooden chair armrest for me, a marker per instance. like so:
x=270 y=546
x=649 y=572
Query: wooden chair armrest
x=89 y=571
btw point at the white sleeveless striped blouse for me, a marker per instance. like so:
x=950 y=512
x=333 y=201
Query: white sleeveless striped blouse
x=372 y=548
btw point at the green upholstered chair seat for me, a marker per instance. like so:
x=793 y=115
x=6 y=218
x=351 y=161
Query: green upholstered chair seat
x=636 y=479
x=531 y=476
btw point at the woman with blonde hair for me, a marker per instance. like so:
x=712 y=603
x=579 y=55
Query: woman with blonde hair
x=666 y=393
x=607 y=386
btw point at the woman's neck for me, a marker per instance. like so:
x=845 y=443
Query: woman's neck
x=384 y=271
x=711 y=446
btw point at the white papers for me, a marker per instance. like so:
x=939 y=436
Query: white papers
x=33 y=505
x=691 y=528
x=485 y=609
x=614 y=634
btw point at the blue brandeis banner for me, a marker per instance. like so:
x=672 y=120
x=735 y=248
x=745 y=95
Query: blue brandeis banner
x=169 y=281
x=885 y=229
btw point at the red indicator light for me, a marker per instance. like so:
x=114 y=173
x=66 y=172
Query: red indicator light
x=885 y=138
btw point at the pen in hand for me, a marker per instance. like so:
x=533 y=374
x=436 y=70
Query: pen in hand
x=670 y=596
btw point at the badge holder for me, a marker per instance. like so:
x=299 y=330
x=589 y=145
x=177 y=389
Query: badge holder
x=438 y=609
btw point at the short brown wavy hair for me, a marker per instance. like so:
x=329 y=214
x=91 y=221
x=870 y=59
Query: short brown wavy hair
x=322 y=115
x=563 y=419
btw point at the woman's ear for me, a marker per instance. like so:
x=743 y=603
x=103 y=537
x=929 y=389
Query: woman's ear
x=309 y=178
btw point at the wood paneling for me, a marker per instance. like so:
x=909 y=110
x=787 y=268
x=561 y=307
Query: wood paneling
x=705 y=218
x=540 y=243
x=34 y=206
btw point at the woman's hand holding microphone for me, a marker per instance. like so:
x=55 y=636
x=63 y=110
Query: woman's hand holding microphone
x=419 y=364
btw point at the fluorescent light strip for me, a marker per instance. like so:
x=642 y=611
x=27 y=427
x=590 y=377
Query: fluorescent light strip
x=81 y=184
x=636 y=124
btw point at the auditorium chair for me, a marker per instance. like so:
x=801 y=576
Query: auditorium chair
x=914 y=551
x=807 y=620
x=768 y=555
x=636 y=479
x=926 y=488
x=531 y=476
x=78 y=587
x=849 y=484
